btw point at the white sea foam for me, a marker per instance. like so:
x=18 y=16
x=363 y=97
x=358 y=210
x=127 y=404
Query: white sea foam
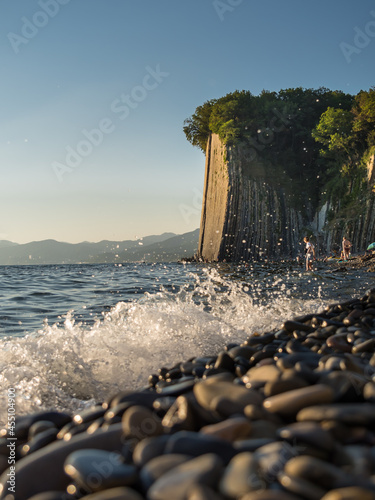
x=68 y=366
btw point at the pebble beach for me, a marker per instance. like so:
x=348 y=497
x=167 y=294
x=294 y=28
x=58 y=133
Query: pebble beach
x=288 y=414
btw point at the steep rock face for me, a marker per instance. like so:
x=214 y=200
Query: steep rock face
x=215 y=201
x=252 y=211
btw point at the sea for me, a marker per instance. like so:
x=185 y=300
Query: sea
x=72 y=335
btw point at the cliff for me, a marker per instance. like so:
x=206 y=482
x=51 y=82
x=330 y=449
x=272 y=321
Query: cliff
x=253 y=209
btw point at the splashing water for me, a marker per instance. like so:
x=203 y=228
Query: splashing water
x=70 y=365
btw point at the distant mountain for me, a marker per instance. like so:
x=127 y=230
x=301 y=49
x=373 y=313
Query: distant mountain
x=6 y=243
x=170 y=250
x=166 y=247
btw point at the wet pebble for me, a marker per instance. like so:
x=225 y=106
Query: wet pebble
x=158 y=466
x=241 y=476
x=175 y=484
x=289 y=403
x=97 y=470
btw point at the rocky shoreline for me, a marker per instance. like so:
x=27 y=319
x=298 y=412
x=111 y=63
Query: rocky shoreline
x=365 y=262
x=288 y=414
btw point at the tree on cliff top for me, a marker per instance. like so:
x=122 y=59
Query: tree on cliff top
x=240 y=115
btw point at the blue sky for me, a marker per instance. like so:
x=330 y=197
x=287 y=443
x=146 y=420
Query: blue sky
x=93 y=95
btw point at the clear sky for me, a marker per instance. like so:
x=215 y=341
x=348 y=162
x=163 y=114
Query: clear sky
x=94 y=94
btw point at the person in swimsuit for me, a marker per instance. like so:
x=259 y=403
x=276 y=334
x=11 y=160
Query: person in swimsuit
x=310 y=253
x=346 y=248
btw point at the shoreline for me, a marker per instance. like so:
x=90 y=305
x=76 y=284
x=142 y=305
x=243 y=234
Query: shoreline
x=293 y=409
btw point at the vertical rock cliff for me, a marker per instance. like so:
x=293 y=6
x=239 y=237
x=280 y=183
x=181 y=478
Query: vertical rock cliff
x=253 y=210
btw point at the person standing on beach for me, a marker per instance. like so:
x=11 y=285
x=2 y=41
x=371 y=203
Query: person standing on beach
x=310 y=253
x=346 y=248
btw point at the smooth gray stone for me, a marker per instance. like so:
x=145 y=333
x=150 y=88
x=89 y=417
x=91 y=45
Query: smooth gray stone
x=122 y=493
x=307 y=432
x=241 y=476
x=272 y=458
x=149 y=448
x=175 y=484
x=142 y=398
x=225 y=361
x=291 y=402
x=178 y=388
x=265 y=373
x=89 y=415
x=181 y=416
x=231 y=429
x=369 y=392
x=243 y=351
x=263 y=429
x=281 y=386
x=347 y=386
x=350 y=413
x=140 y=422
x=52 y=495
x=40 y=426
x=39 y=441
x=203 y=492
x=44 y=470
x=158 y=466
x=307 y=490
x=3 y=463
x=350 y=493
x=196 y=444
x=270 y=495
x=24 y=423
x=97 y=470
x=251 y=444
x=210 y=392
x=310 y=359
x=318 y=472
x=361 y=460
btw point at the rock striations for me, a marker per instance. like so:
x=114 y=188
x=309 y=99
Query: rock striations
x=251 y=209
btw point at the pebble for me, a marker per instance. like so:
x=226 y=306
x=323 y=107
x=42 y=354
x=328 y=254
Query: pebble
x=298 y=486
x=140 y=422
x=349 y=494
x=158 y=466
x=40 y=426
x=196 y=444
x=97 y=470
x=212 y=392
x=123 y=493
x=231 y=429
x=203 y=492
x=287 y=415
x=291 y=402
x=307 y=432
x=44 y=470
x=241 y=476
x=350 y=413
x=175 y=484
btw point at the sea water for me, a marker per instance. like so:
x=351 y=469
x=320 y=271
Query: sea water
x=71 y=335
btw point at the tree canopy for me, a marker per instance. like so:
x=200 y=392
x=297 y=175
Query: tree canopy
x=315 y=136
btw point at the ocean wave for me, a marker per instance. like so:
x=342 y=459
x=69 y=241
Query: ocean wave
x=70 y=365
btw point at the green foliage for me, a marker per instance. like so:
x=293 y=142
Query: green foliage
x=196 y=127
x=334 y=131
x=310 y=141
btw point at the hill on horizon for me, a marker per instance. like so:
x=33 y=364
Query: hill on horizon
x=55 y=252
